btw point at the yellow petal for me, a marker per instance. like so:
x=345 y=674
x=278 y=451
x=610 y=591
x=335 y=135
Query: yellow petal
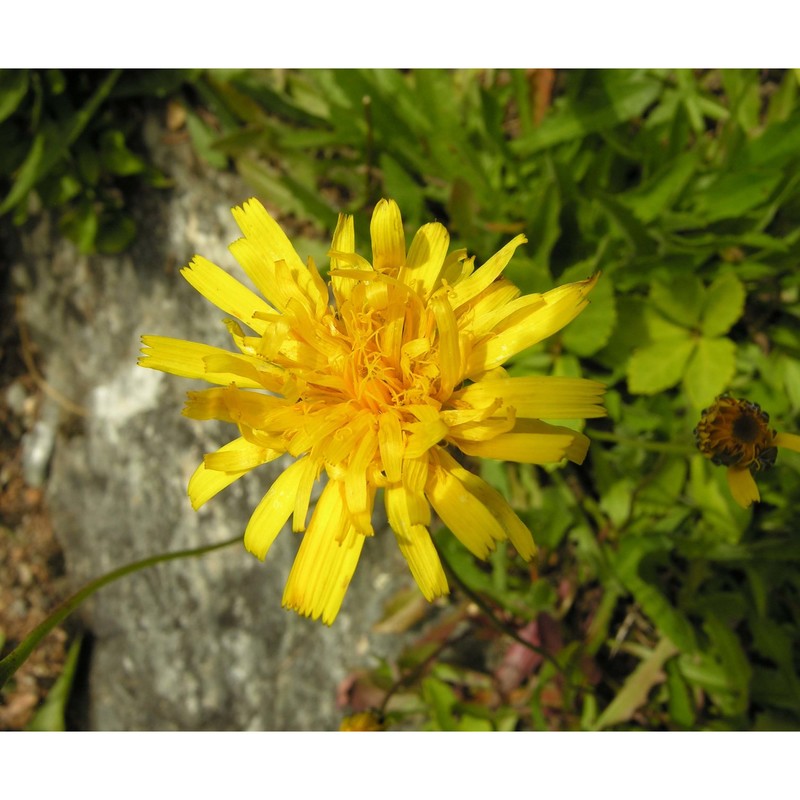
x=225 y=292
x=320 y=287
x=530 y=325
x=344 y=241
x=231 y=405
x=417 y=548
x=425 y=259
x=457 y=266
x=535 y=443
x=207 y=404
x=789 y=441
x=538 y=397
x=406 y=504
x=188 y=359
x=256 y=223
x=249 y=372
x=450 y=365
x=206 y=482
x=743 y=486
x=326 y=561
x=484 y=276
x=240 y=459
x=484 y=429
x=424 y=435
x=264 y=245
x=467 y=517
x=454 y=417
x=494 y=304
x=311 y=471
x=388 y=238
x=416 y=472
x=274 y=509
x=390 y=441
x=292 y=292
x=515 y=529
x=344 y=238
x=358 y=494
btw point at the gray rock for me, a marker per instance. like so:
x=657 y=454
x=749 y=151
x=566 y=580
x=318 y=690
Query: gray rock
x=199 y=644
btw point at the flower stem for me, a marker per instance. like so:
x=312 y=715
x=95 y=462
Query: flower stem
x=643 y=444
x=503 y=627
x=17 y=657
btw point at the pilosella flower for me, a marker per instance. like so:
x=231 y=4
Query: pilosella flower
x=364 y=721
x=736 y=434
x=370 y=387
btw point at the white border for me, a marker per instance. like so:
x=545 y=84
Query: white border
x=404 y=33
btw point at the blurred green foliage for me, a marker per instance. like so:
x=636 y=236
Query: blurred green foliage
x=70 y=140
x=656 y=602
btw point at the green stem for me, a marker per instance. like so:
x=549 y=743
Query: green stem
x=17 y=657
x=643 y=444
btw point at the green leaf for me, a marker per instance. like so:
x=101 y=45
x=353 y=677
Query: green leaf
x=115 y=234
x=681 y=707
x=668 y=619
x=28 y=174
x=613 y=100
x=116 y=156
x=659 y=366
x=50 y=144
x=441 y=699
x=776 y=688
x=661 y=190
x=734 y=194
x=50 y=717
x=471 y=723
x=743 y=89
x=402 y=188
x=728 y=649
x=13 y=88
x=665 y=485
x=680 y=300
x=80 y=226
x=709 y=489
x=286 y=192
x=616 y=501
x=543 y=227
x=630 y=330
x=204 y=139
x=634 y=692
x=710 y=370
x=623 y=219
x=790 y=370
x=724 y=304
x=87 y=159
x=777 y=147
x=723 y=670
x=592 y=328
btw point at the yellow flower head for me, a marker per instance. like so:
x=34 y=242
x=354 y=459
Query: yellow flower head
x=368 y=379
x=736 y=434
x=361 y=722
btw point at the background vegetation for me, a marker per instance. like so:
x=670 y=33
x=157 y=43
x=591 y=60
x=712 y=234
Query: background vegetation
x=656 y=602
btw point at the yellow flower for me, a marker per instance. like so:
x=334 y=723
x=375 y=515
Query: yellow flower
x=368 y=379
x=363 y=721
x=736 y=434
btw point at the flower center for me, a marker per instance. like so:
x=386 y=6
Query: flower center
x=736 y=433
x=390 y=356
x=746 y=428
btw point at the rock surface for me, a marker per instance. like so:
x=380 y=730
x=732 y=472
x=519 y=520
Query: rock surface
x=198 y=644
